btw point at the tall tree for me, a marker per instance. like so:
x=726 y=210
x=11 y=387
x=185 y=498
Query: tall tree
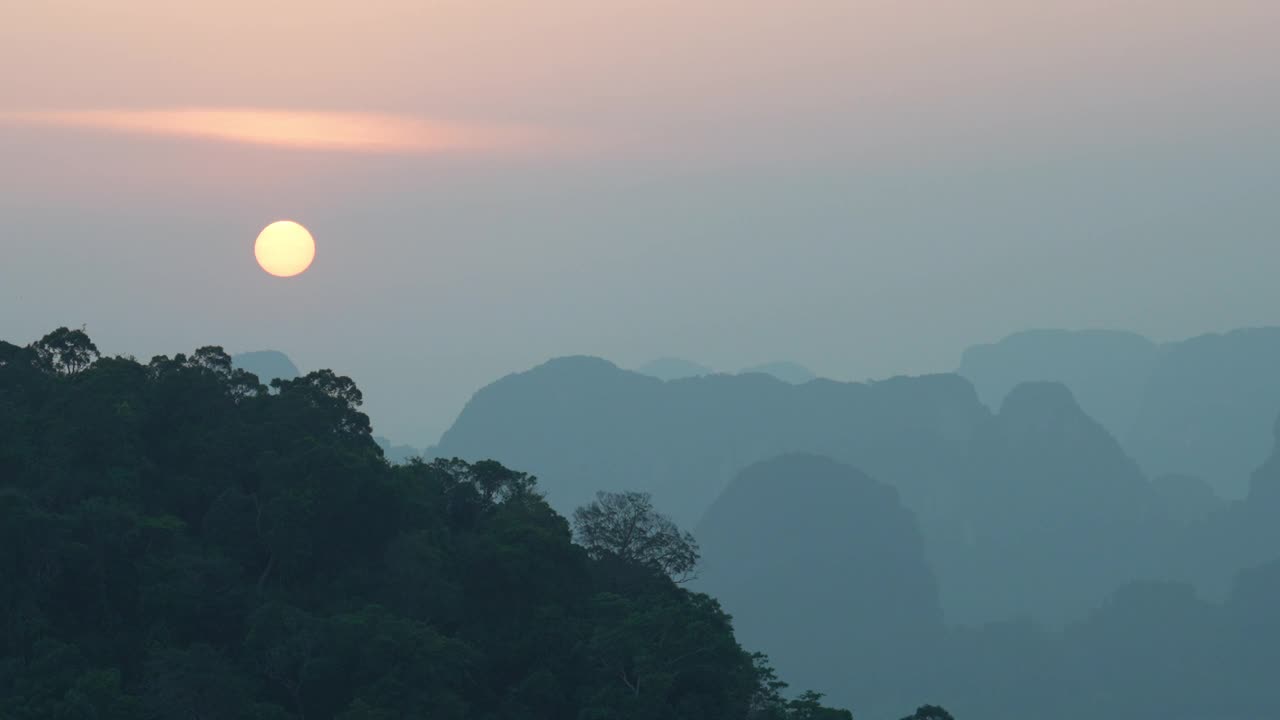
x=929 y=712
x=625 y=526
x=65 y=351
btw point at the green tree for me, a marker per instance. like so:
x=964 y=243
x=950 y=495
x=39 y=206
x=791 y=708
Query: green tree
x=929 y=712
x=626 y=526
x=198 y=682
x=65 y=351
x=809 y=707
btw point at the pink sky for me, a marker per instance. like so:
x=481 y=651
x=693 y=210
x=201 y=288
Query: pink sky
x=659 y=70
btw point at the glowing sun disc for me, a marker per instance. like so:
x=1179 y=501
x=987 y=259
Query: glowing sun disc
x=284 y=248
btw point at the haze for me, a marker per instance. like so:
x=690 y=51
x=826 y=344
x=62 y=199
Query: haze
x=862 y=187
x=640 y=359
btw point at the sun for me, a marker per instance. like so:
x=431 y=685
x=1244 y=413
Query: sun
x=284 y=248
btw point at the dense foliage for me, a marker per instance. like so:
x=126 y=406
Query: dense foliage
x=179 y=541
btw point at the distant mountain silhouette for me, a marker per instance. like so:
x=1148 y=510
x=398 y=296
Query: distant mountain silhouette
x=673 y=369
x=1235 y=536
x=1153 y=649
x=267 y=365
x=1035 y=512
x=823 y=569
x=397 y=453
x=1054 y=513
x=1264 y=483
x=1186 y=500
x=1252 y=635
x=678 y=369
x=1199 y=407
x=1106 y=370
x=788 y=372
x=582 y=424
x=1208 y=407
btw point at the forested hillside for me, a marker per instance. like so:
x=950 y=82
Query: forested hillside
x=178 y=540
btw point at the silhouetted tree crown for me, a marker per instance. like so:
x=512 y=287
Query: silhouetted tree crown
x=625 y=526
x=929 y=712
x=64 y=351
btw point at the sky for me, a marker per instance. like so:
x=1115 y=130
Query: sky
x=862 y=187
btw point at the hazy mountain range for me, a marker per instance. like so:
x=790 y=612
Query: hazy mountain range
x=1202 y=406
x=884 y=542
x=1015 y=509
x=678 y=369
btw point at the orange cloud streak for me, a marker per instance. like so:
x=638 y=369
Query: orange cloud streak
x=336 y=131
